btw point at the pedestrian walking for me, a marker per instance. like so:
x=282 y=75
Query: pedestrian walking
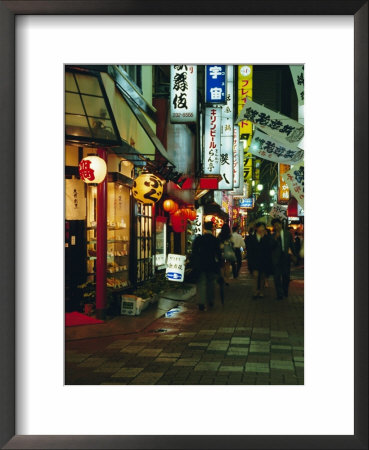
x=206 y=260
x=227 y=250
x=259 y=257
x=238 y=246
x=283 y=251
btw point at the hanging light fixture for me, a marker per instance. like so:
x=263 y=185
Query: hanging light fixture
x=147 y=188
x=170 y=206
x=92 y=169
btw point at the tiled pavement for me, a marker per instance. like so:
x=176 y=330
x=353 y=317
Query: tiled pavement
x=246 y=341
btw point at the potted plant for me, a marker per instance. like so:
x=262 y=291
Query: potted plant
x=87 y=297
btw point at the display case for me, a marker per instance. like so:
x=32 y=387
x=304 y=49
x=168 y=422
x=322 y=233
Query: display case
x=118 y=234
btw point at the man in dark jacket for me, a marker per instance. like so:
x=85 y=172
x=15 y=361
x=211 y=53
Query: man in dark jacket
x=206 y=260
x=282 y=251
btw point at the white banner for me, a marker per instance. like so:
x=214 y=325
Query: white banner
x=211 y=162
x=183 y=93
x=75 y=200
x=294 y=178
x=197 y=223
x=278 y=212
x=265 y=147
x=297 y=73
x=278 y=126
x=236 y=156
x=226 y=140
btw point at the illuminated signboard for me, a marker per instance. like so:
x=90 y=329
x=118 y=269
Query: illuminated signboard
x=215 y=84
x=183 y=93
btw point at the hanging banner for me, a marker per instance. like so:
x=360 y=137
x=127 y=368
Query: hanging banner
x=275 y=125
x=278 y=212
x=263 y=146
x=236 y=156
x=294 y=179
x=283 y=194
x=75 y=200
x=211 y=161
x=183 y=93
x=215 y=84
x=226 y=139
x=297 y=72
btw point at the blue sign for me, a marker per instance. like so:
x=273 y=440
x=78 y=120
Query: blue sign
x=246 y=202
x=174 y=276
x=215 y=84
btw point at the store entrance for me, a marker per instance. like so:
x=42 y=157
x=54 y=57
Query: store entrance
x=75 y=266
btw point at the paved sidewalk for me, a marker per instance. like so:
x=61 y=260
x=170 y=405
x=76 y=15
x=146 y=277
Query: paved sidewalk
x=246 y=341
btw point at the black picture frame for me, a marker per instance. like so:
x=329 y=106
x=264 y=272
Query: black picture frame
x=8 y=10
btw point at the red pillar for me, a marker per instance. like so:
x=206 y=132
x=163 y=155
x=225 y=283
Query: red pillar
x=101 y=244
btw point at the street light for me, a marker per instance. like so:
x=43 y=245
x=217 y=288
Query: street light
x=272 y=192
x=259 y=187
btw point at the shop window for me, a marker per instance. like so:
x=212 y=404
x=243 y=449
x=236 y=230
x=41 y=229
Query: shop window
x=118 y=238
x=145 y=267
x=87 y=110
x=134 y=73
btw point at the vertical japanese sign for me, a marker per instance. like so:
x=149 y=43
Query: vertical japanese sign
x=75 y=200
x=226 y=140
x=236 y=156
x=295 y=180
x=215 y=84
x=197 y=223
x=183 y=93
x=283 y=190
x=212 y=128
x=245 y=73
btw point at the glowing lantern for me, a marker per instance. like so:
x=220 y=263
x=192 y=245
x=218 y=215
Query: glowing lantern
x=179 y=221
x=147 y=188
x=192 y=214
x=170 y=206
x=92 y=169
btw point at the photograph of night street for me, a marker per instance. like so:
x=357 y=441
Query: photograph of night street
x=184 y=224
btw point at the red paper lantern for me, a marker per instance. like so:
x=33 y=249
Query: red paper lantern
x=179 y=221
x=192 y=214
x=170 y=206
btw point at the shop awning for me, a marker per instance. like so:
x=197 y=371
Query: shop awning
x=128 y=93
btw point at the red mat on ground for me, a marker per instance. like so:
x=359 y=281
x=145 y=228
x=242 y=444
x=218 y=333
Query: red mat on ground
x=75 y=318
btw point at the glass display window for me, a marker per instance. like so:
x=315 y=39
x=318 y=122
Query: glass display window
x=118 y=234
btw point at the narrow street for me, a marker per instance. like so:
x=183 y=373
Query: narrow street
x=246 y=341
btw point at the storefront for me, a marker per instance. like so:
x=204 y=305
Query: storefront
x=109 y=116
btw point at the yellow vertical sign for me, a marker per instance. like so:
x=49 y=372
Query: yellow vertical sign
x=283 y=190
x=245 y=73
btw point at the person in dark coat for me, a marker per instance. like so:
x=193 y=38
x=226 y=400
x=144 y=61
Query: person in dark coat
x=206 y=260
x=259 y=257
x=283 y=250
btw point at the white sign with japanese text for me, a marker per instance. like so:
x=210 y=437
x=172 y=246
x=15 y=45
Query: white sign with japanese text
x=175 y=267
x=268 y=148
x=278 y=212
x=294 y=178
x=226 y=140
x=211 y=161
x=75 y=200
x=183 y=93
x=276 y=125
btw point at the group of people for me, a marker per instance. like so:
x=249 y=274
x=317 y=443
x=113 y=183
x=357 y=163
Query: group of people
x=213 y=259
